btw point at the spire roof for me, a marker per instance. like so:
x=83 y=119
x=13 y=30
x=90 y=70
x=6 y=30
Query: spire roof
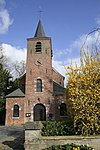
x=39 y=31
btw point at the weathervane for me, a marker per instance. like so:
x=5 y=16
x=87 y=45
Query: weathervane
x=40 y=12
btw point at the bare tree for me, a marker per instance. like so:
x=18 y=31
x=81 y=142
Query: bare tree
x=1 y=53
x=20 y=68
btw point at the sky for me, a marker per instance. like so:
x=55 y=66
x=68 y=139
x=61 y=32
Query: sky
x=67 y=22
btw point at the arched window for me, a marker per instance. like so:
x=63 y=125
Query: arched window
x=39 y=85
x=16 y=111
x=63 y=109
x=38 y=47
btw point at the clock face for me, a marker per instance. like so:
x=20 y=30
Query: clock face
x=38 y=62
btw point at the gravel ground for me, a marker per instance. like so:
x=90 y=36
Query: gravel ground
x=12 y=138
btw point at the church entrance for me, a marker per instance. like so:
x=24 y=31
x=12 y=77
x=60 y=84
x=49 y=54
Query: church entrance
x=39 y=112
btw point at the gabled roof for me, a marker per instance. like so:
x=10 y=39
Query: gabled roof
x=57 y=72
x=16 y=93
x=58 y=89
x=39 y=31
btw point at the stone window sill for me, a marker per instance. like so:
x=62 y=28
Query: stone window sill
x=38 y=92
x=15 y=118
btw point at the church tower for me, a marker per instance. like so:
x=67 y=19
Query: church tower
x=44 y=94
x=39 y=84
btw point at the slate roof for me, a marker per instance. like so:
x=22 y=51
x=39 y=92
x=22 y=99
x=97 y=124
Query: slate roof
x=16 y=93
x=39 y=31
x=58 y=89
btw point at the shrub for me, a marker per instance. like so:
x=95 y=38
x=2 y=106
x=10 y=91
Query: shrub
x=57 y=128
x=69 y=147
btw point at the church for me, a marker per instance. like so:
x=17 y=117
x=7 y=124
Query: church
x=41 y=92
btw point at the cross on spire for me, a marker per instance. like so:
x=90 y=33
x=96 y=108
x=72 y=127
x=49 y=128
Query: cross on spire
x=40 y=12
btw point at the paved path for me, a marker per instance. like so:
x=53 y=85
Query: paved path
x=12 y=137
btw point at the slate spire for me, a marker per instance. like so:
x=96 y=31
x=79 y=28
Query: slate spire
x=39 y=31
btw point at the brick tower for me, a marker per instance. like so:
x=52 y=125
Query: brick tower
x=39 y=85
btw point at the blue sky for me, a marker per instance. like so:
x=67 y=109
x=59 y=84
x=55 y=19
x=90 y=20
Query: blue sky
x=66 y=21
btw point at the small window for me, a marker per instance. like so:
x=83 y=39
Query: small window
x=31 y=51
x=28 y=102
x=38 y=47
x=46 y=51
x=46 y=71
x=16 y=111
x=30 y=71
x=39 y=85
x=63 y=109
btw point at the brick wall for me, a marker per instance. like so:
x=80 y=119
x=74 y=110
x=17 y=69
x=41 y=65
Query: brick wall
x=56 y=76
x=10 y=102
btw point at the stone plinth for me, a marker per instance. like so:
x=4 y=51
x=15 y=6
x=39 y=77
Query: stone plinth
x=32 y=135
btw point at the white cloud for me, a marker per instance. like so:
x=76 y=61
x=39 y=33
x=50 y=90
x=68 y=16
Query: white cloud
x=13 y=53
x=59 y=53
x=74 y=61
x=98 y=20
x=72 y=54
x=59 y=66
x=90 y=39
x=5 y=20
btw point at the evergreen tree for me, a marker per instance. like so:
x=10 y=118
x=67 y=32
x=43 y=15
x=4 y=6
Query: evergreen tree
x=4 y=74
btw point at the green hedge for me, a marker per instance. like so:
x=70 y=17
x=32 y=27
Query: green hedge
x=57 y=128
x=69 y=147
